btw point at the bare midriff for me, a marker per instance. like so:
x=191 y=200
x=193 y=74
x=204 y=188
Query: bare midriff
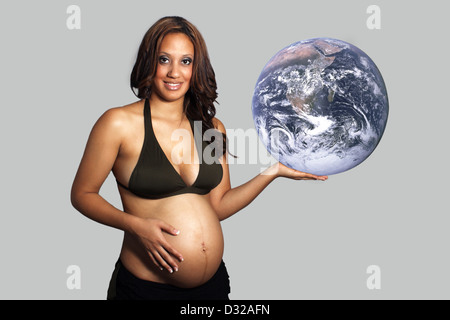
x=200 y=240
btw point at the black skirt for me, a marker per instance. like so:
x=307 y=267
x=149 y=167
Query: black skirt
x=125 y=286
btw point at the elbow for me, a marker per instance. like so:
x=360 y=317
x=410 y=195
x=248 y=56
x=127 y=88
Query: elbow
x=222 y=213
x=220 y=216
x=220 y=206
x=80 y=197
x=75 y=198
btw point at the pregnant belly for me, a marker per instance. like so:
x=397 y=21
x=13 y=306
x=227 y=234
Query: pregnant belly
x=200 y=242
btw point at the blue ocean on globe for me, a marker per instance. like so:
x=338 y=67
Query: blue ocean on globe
x=320 y=106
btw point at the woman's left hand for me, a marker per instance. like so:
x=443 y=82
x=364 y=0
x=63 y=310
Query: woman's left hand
x=282 y=171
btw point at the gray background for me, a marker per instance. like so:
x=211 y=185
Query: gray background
x=297 y=240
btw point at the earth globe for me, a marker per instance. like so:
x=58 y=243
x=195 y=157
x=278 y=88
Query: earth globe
x=320 y=106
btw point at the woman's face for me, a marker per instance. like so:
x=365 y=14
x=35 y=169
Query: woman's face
x=174 y=70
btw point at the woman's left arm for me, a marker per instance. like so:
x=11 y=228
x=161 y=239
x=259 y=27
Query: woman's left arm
x=227 y=201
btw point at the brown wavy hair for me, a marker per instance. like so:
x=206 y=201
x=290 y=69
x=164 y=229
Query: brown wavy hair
x=200 y=98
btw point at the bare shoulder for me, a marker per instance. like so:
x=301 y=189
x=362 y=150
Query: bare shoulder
x=119 y=118
x=219 y=125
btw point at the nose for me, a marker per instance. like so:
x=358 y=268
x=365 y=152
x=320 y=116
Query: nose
x=173 y=71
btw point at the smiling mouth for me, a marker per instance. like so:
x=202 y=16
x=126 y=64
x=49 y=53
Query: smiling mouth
x=172 y=85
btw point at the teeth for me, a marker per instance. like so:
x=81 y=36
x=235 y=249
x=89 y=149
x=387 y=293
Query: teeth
x=173 y=86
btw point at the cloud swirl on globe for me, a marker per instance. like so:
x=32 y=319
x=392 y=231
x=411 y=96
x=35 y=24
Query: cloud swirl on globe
x=320 y=106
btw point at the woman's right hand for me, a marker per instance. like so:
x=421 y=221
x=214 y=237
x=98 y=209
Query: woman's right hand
x=150 y=233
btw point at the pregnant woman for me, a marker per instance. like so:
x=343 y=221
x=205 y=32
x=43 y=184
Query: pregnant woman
x=173 y=195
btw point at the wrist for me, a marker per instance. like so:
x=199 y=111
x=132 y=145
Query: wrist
x=131 y=223
x=272 y=171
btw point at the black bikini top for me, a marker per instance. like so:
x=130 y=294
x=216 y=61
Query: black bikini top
x=154 y=177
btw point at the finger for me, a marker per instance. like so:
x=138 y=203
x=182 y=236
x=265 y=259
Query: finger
x=173 y=231
x=173 y=252
x=322 y=178
x=306 y=176
x=309 y=176
x=154 y=260
x=159 y=256
x=168 y=228
x=169 y=259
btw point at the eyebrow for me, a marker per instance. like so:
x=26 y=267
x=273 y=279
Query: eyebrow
x=184 y=55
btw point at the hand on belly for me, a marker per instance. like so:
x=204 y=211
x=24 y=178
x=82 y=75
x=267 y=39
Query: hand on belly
x=202 y=251
x=199 y=243
x=149 y=232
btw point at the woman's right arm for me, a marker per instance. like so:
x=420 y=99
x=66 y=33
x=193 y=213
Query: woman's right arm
x=98 y=159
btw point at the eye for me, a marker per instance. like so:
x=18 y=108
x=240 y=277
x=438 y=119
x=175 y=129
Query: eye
x=186 y=61
x=163 y=60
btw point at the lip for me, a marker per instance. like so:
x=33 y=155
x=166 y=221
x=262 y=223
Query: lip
x=172 y=85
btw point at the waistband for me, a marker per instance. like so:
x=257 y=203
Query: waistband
x=124 y=283
x=167 y=286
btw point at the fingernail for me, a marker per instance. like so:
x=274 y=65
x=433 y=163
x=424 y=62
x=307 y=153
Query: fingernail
x=176 y=269
x=177 y=232
x=170 y=270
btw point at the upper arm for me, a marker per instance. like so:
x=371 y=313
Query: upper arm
x=217 y=193
x=100 y=153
